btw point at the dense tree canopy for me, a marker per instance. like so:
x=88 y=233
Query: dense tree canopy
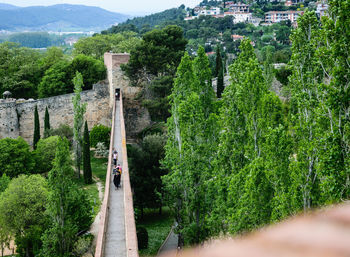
x=265 y=159
x=99 y=44
x=15 y=157
x=22 y=207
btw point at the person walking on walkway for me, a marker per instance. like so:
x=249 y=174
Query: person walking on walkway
x=117 y=176
x=115 y=157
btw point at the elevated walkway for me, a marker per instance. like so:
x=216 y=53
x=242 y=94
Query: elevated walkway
x=117 y=232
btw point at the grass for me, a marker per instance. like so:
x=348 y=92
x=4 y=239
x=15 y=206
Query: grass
x=99 y=167
x=158 y=228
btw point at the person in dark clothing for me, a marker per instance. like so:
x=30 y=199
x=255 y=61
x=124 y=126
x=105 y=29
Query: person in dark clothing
x=117 y=175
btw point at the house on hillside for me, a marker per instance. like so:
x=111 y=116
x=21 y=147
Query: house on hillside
x=208 y=11
x=236 y=37
x=237 y=7
x=239 y=16
x=278 y=16
x=322 y=9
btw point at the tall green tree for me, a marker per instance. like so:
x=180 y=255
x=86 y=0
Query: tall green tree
x=174 y=157
x=68 y=207
x=36 y=135
x=79 y=111
x=46 y=122
x=19 y=70
x=152 y=66
x=219 y=73
x=304 y=83
x=189 y=158
x=146 y=172
x=86 y=156
x=241 y=183
x=22 y=212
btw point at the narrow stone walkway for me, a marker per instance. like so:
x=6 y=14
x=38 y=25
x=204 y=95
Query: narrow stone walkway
x=115 y=235
x=170 y=245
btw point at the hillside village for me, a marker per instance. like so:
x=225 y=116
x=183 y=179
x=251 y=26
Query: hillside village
x=241 y=12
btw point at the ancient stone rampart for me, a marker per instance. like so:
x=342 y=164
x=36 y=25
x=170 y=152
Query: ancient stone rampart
x=17 y=116
x=136 y=117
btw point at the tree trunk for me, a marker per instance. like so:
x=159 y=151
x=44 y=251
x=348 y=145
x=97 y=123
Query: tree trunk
x=180 y=242
x=160 y=210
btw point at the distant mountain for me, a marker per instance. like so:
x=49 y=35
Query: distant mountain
x=62 y=17
x=143 y=24
x=8 y=6
x=159 y=18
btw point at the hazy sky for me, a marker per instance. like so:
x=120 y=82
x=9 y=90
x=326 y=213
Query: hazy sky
x=122 y=6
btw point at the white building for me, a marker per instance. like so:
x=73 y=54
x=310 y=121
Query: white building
x=211 y=11
x=239 y=16
x=237 y=7
x=278 y=16
x=321 y=9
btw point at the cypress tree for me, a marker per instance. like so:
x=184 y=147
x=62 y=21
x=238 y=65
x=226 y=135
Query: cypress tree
x=36 y=136
x=46 y=122
x=219 y=73
x=86 y=156
x=79 y=111
x=220 y=83
x=218 y=65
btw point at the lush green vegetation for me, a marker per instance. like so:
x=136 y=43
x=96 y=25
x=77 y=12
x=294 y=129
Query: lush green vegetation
x=100 y=133
x=36 y=39
x=55 y=209
x=28 y=73
x=153 y=65
x=145 y=172
x=213 y=32
x=99 y=167
x=158 y=227
x=99 y=44
x=255 y=159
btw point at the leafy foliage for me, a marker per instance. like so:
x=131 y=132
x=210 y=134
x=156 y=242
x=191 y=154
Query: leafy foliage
x=19 y=71
x=68 y=207
x=45 y=153
x=99 y=44
x=145 y=171
x=100 y=133
x=142 y=237
x=22 y=207
x=15 y=157
x=153 y=65
x=79 y=111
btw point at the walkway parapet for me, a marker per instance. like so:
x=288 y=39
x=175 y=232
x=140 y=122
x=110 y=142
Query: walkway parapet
x=100 y=243
x=130 y=226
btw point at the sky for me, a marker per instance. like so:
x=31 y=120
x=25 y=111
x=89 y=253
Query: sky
x=121 y=6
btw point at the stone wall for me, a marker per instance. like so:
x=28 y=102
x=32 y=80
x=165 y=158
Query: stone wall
x=136 y=117
x=17 y=116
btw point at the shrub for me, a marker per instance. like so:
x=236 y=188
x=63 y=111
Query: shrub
x=45 y=153
x=142 y=237
x=100 y=133
x=64 y=130
x=101 y=150
x=15 y=157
